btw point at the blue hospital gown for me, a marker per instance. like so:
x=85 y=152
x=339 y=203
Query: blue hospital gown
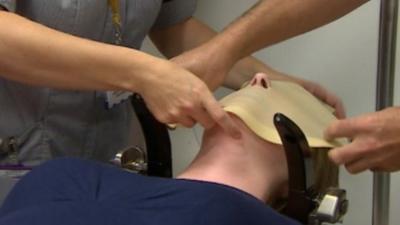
x=78 y=192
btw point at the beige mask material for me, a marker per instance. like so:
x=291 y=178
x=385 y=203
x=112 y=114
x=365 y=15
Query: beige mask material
x=256 y=106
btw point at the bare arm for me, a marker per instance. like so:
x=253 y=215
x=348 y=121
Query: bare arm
x=37 y=55
x=175 y=40
x=182 y=37
x=268 y=22
x=272 y=21
x=185 y=36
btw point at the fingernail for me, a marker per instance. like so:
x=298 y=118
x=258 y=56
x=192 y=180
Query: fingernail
x=333 y=156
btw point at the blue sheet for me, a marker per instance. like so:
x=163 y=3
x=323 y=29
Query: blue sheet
x=78 y=192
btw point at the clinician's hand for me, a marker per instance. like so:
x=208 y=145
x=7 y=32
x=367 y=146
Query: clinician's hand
x=176 y=96
x=205 y=63
x=326 y=96
x=213 y=69
x=375 y=145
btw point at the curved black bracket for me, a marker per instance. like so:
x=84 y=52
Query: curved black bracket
x=158 y=144
x=300 y=201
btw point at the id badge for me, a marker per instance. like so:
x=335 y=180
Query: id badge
x=116 y=97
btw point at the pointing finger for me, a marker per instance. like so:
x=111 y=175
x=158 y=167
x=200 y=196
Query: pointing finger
x=358 y=166
x=203 y=118
x=343 y=128
x=348 y=153
x=221 y=117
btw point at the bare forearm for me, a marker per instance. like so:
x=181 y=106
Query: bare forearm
x=182 y=37
x=272 y=21
x=37 y=55
x=193 y=33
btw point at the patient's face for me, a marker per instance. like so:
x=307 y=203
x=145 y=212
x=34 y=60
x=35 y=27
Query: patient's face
x=271 y=154
x=258 y=102
x=268 y=153
x=254 y=107
x=275 y=151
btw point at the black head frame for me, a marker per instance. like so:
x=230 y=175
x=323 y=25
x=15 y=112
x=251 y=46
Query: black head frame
x=304 y=203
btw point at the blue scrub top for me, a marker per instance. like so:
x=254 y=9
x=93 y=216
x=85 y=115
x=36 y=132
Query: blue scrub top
x=74 y=191
x=51 y=123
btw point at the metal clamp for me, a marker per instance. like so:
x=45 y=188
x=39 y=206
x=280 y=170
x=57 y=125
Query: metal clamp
x=332 y=206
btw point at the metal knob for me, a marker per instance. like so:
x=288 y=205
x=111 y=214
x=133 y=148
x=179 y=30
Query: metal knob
x=132 y=159
x=8 y=146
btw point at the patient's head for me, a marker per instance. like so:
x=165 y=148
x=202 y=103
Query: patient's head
x=249 y=163
x=250 y=141
x=258 y=102
x=252 y=160
x=260 y=145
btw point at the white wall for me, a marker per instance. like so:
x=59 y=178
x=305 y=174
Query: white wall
x=341 y=56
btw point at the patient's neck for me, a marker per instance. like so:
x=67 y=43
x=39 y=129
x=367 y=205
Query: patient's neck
x=249 y=164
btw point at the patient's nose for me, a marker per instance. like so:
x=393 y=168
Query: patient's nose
x=261 y=79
